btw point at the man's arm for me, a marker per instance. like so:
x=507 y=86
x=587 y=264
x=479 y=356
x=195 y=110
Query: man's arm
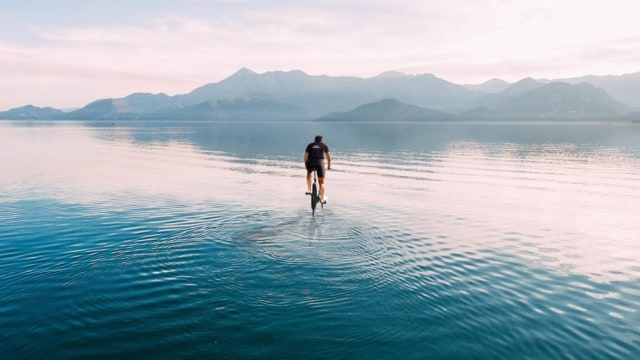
x=328 y=161
x=306 y=157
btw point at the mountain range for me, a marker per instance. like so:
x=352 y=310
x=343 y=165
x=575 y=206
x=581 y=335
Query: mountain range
x=387 y=110
x=390 y=96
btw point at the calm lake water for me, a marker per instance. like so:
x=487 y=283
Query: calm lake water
x=195 y=240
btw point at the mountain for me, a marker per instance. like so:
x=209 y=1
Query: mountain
x=490 y=86
x=255 y=107
x=30 y=112
x=388 y=110
x=300 y=96
x=112 y=109
x=323 y=94
x=424 y=90
x=145 y=102
x=134 y=106
x=624 y=88
x=316 y=93
x=524 y=85
x=554 y=101
x=297 y=95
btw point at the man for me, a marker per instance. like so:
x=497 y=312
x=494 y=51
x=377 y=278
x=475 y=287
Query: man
x=314 y=156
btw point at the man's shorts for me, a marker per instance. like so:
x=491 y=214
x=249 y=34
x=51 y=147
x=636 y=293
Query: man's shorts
x=319 y=166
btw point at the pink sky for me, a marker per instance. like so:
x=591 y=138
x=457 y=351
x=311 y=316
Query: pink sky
x=66 y=54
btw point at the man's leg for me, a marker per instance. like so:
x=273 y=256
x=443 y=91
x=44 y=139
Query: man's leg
x=321 y=181
x=308 y=181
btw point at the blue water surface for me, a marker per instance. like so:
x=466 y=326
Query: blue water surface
x=195 y=240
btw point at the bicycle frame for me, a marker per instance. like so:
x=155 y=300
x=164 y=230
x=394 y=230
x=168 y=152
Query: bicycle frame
x=315 y=193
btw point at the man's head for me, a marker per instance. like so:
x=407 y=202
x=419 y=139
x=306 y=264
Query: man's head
x=318 y=138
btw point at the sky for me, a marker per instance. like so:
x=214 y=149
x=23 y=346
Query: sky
x=68 y=53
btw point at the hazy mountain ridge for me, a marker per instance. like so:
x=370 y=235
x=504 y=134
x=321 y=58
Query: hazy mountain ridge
x=295 y=95
x=556 y=100
x=624 y=88
x=30 y=112
x=490 y=86
x=324 y=94
x=512 y=90
x=254 y=107
x=387 y=110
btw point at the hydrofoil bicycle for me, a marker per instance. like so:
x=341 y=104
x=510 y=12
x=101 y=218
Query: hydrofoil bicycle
x=315 y=194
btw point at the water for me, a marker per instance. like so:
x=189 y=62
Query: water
x=195 y=240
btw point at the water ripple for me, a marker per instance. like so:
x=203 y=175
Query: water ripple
x=470 y=249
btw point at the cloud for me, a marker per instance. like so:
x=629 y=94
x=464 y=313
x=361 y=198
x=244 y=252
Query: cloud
x=173 y=49
x=624 y=50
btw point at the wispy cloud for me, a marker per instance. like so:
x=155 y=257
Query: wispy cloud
x=159 y=46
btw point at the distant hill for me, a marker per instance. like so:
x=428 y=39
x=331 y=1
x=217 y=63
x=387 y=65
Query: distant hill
x=624 y=88
x=145 y=102
x=295 y=95
x=323 y=94
x=303 y=96
x=554 y=101
x=493 y=99
x=255 y=107
x=524 y=85
x=388 y=110
x=490 y=86
x=134 y=106
x=112 y=109
x=30 y=112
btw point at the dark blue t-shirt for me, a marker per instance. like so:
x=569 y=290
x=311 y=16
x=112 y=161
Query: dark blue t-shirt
x=316 y=152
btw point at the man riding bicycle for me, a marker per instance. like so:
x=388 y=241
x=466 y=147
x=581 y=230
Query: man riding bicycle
x=314 y=156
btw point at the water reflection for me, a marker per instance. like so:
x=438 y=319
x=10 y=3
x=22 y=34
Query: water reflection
x=68 y=163
x=460 y=240
x=561 y=195
x=284 y=139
